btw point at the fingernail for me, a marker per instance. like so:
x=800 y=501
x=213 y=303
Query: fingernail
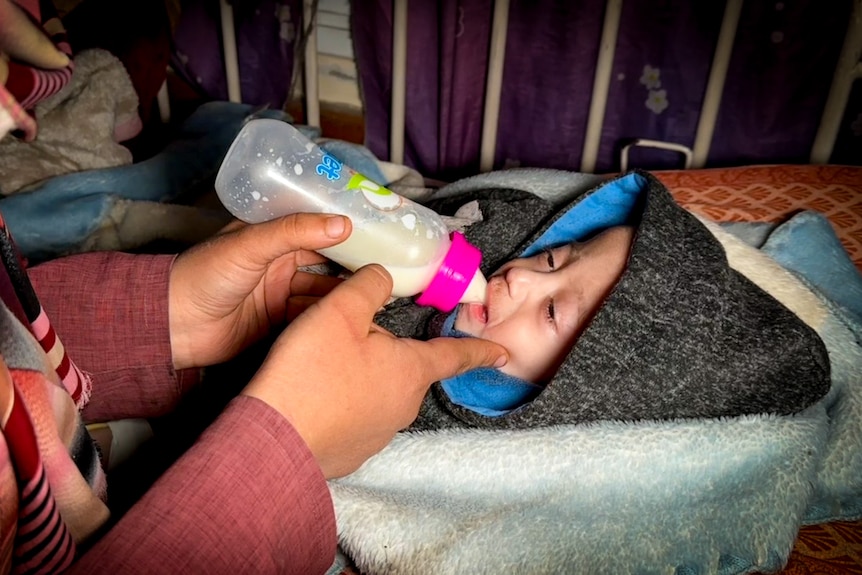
x=335 y=226
x=501 y=361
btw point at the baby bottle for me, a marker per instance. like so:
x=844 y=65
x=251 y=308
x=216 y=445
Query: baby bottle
x=272 y=170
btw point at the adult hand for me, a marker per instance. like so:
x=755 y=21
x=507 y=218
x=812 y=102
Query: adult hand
x=346 y=384
x=229 y=291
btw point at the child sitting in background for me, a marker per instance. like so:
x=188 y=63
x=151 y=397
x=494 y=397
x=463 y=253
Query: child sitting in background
x=619 y=306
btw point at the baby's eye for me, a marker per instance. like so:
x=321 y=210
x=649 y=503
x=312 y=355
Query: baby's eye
x=551 y=311
x=550 y=256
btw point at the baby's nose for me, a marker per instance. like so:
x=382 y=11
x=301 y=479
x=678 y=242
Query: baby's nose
x=520 y=280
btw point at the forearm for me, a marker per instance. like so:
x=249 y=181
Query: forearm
x=110 y=310
x=248 y=497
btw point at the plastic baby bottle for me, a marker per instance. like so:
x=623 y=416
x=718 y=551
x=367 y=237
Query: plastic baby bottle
x=272 y=169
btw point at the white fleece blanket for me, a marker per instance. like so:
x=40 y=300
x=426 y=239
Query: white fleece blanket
x=686 y=497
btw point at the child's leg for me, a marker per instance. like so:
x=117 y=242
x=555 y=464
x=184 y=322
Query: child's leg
x=39 y=54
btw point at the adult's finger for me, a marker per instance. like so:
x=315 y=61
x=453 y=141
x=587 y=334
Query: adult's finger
x=261 y=244
x=298 y=304
x=444 y=357
x=311 y=284
x=360 y=296
x=232 y=226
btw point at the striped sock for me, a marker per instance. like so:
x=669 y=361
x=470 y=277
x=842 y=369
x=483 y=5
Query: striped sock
x=31 y=85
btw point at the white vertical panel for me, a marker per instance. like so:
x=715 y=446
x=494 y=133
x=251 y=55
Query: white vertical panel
x=715 y=84
x=399 y=81
x=163 y=99
x=847 y=71
x=334 y=6
x=312 y=98
x=231 y=62
x=494 y=85
x=333 y=41
x=601 y=85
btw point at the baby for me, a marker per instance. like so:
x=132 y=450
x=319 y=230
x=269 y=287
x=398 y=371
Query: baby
x=619 y=306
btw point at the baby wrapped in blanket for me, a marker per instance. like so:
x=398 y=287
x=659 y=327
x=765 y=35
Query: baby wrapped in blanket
x=660 y=413
x=620 y=306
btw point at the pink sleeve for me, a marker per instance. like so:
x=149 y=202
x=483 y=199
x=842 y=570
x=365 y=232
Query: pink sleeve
x=110 y=310
x=248 y=497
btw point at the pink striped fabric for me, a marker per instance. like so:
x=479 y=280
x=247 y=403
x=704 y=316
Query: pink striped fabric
x=45 y=83
x=76 y=383
x=43 y=543
x=48 y=460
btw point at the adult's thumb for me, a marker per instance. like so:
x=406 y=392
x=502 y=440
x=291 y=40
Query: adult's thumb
x=448 y=356
x=262 y=243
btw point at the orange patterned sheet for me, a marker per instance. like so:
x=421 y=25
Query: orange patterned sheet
x=773 y=194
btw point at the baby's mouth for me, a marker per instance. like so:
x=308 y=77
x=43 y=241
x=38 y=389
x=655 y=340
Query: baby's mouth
x=478 y=312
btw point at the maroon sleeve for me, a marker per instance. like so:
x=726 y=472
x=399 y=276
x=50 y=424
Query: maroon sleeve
x=248 y=497
x=110 y=310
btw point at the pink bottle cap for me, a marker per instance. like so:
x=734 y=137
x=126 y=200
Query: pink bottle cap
x=455 y=274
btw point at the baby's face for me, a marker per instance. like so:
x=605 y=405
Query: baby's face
x=536 y=307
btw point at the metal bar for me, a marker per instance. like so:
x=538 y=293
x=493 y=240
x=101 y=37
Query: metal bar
x=601 y=85
x=847 y=70
x=494 y=85
x=684 y=150
x=231 y=62
x=312 y=97
x=399 y=81
x=715 y=83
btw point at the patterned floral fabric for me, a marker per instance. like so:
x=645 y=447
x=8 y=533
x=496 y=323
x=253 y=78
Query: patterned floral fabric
x=829 y=549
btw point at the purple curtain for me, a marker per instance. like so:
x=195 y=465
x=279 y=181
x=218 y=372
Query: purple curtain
x=779 y=76
x=447 y=53
x=265 y=32
x=778 y=81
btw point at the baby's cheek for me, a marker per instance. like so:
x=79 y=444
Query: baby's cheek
x=517 y=368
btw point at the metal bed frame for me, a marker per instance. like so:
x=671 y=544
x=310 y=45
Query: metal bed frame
x=847 y=71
